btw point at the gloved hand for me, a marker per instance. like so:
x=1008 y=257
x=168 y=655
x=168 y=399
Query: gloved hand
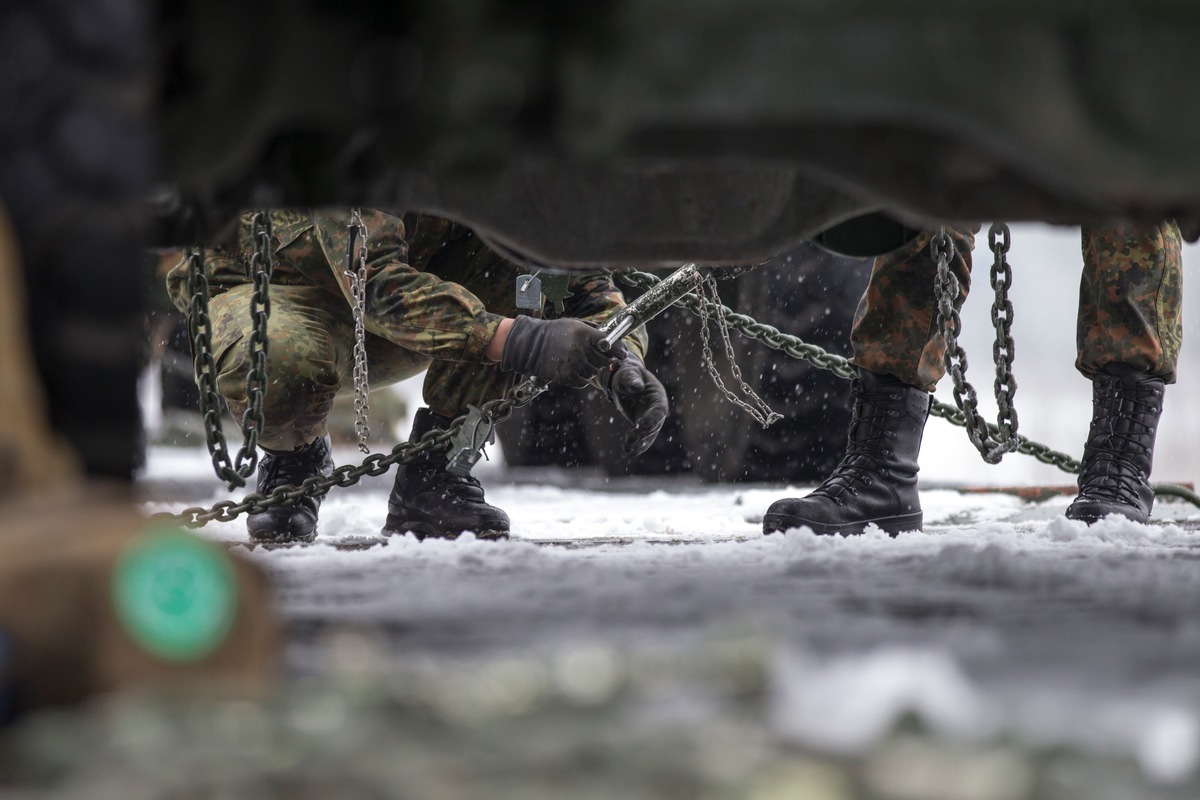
x=640 y=398
x=561 y=351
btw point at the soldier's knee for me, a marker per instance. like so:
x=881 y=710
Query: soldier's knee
x=232 y=368
x=301 y=385
x=302 y=378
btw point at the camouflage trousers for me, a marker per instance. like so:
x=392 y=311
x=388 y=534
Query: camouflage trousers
x=311 y=349
x=1130 y=304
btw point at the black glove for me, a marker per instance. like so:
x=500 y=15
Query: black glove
x=561 y=351
x=640 y=398
x=1190 y=228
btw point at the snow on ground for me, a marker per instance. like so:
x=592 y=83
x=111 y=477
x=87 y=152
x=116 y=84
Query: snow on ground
x=1001 y=618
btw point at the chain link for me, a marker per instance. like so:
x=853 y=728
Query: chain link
x=200 y=333
x=992 y=441
x=796 y=347
x=358 y=296
x=261 y=267
x=760 y=411
x=497 y=411
x=233 y=471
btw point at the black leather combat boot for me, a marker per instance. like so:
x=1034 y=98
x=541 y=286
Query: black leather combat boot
x=1115 y=474
x=431 y=502
x=876 y=481
x=284 y=524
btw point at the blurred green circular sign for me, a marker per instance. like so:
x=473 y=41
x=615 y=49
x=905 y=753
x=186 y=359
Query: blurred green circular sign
x=175 y=594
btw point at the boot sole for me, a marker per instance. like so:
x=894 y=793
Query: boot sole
x=425 y=530
x=281 y=537
x=1092 y=514
x=892 y=526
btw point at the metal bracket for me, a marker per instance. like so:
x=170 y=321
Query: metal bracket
x=466 y=446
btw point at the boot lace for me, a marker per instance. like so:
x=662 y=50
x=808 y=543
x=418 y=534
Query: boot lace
x=291 y=469
x=1113 y=464
x=866 y=446
x=463 y=487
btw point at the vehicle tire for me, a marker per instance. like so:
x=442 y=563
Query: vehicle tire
x=75 y=165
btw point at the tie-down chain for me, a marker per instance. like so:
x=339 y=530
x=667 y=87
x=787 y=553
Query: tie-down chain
x=464 y=437
x=991 y=446
x=234 y=472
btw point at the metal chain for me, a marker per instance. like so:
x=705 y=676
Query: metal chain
x=261 y=267
x=760 y=411
x=497 y=411
x=796 y=347
x=200 y=333
x=233 y=471
x=358 y=297
x=1004 y=350
x=992 y=441
x=483 y=418
x=494 y=411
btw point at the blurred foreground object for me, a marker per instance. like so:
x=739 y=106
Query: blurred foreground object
x=94 y=602
x=91 y=599
x=31 y=455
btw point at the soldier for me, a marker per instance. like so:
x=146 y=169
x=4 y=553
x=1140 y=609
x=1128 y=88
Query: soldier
x=1129 y=333
x=437 y=299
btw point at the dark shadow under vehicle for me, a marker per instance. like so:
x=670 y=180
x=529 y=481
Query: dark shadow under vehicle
x=806 y=292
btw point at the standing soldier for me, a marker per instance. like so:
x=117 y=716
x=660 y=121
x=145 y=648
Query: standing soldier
x=1129 y=334
x=436 y=299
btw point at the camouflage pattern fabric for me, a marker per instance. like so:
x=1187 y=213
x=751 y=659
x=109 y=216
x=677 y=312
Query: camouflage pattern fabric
x=893 y=330
x=435 y=296
x=1130 y=304
x=1131 y=299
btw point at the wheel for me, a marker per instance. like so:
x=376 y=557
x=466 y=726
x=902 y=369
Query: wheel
x=75 y=164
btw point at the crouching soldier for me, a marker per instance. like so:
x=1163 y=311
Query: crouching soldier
x=436 y=299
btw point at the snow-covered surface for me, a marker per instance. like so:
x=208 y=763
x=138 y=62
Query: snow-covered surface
x=1001 y=618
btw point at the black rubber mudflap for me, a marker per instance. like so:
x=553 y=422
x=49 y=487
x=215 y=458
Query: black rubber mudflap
x=75 y=164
